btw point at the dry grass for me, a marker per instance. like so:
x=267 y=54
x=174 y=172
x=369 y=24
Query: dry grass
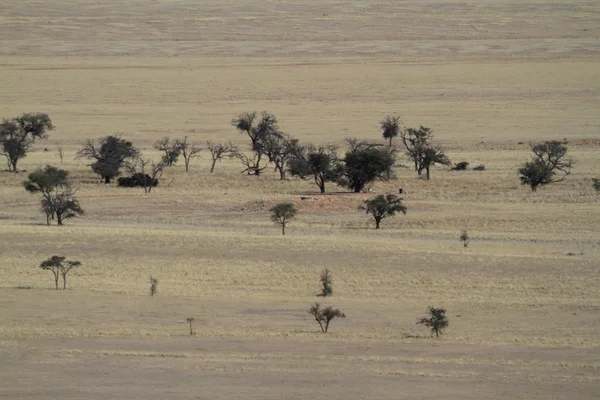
x=488 y=77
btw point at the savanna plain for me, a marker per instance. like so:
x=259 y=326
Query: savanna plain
x=489 y=77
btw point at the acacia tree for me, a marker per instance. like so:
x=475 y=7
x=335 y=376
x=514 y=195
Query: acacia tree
x=218 y=151
x=390 y=127
x=324 y=316
x=280 y=149
x=430 y=156
x=549 y=164
x=416 y=141
x=64 y=205
x=436 y=321
x=258 y=132
x=318 y=163
x=171 y=150
x=364 y=165
x=18 y=135
x=58 y=198
x=381 y=207
x=59 y=266
x=283 y=213
x=111 y=154
x=188 y=151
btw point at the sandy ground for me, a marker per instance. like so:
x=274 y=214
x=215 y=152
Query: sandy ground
x=487 y=76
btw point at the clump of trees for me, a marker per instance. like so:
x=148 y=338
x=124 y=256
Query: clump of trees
x=324 y=316
x=381 y=207
x=60 y=267
x=58 y=196
x=18 y=135
x=110 y=153
x=282 y=214
x=549 y=164
x=436 y=320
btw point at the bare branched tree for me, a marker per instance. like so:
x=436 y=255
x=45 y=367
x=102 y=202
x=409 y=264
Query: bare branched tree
x=188 y=151
x=258 y=132
x=150 y=171
x=252 y=164
x=171 y=150
x=218 y=151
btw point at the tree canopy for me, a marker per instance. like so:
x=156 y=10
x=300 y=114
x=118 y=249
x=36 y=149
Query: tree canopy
x=549 y=164
x=18 y=135
x=318 y=163
x=58 y=197
x=381 y=207
x=110 y=153
x=364 y=165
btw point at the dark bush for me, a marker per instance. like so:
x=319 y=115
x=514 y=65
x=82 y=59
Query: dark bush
x=461 y=166
x=480 y=167
x=137 y=179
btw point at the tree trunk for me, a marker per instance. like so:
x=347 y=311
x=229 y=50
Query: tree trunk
x=64 y=281
x=283 y=228
x=59 y=218
x=212 y=167
x=377 y=222
x=106 y=180
x=187 y=164
x=417 y=167
x=55 y=279
x=390 y=142
x=428 y=175
x=14 y=165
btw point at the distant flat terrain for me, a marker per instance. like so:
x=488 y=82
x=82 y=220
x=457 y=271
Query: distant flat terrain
x=488 y=77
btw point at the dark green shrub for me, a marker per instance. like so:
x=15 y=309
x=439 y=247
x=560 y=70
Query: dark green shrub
x=461 y=166
x=137 y=180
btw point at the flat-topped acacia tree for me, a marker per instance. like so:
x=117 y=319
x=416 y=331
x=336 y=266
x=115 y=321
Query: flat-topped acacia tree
x=59 y=266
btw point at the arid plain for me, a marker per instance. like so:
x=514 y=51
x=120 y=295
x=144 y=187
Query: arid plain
x=488 y=76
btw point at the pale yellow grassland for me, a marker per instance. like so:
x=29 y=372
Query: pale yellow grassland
x=488 y=76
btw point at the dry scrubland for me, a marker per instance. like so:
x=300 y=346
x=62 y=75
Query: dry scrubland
x=523 y=299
